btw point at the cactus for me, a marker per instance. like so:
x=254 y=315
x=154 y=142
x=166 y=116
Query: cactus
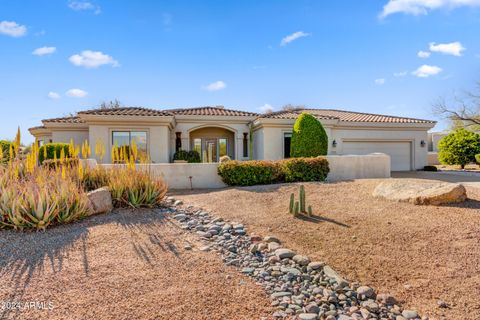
x=292 y=203
x=296 y=208
x=310 y=211
x=302 y=199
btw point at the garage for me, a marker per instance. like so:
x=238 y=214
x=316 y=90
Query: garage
x=400 y=152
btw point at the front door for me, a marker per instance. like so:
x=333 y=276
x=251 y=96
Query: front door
x=210 y=150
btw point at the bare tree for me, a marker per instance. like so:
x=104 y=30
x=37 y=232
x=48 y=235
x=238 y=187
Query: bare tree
x=115 y=104
x=463 y=110
x=290 y=107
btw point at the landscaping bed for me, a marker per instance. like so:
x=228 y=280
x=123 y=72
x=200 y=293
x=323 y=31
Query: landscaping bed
x=124 y=265
x=426 y=256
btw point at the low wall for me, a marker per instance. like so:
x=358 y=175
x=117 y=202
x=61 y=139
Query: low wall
x=184 y=175
x=204 y=175
x=433 y=159
x=349 y=167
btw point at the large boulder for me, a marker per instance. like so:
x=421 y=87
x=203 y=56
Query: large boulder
x=421 y=192
x=100 y=200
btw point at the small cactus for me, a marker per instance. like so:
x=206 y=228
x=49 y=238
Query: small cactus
x=310 y=211
x=296 y=208
x=292 y=203
x=302 y=199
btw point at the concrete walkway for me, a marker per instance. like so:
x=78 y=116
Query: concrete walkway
x=467 y=180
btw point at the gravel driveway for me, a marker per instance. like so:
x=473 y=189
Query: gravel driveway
x=124 y=265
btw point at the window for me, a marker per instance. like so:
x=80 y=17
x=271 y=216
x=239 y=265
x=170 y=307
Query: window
x=287 y=139
x=222 y=147
x=245 y=144
x=197 y=146
x=178 y=141
x=126 y=138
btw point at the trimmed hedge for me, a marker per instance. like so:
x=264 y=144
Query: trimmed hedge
x=5 y=149
x=248 y=173
x=309 y=138
x=306 y=169
x=189 y=156
x=52 y=149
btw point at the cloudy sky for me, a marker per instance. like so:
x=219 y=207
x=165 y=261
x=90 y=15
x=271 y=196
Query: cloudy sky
x=382 y=56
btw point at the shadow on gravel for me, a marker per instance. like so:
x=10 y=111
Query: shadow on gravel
x=28 y=253
x=320 y=219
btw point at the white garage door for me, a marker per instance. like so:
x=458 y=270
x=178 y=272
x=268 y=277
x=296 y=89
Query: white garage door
x=400 y=152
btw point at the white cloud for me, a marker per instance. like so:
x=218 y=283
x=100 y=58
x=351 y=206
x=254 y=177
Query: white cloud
x=379 y=81
x=44 y=50
x=12 y=29
x=92 y=59
x=84 y=6
x=215 y=86
x=266 y=108
x=452 y=48
x=76 y=93
x=400 y=74
x=422 y=7
x=292 y=37
x=426 y=71
x=53 y=95
x=423 y=54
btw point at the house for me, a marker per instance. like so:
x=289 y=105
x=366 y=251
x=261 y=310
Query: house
x=216 y=131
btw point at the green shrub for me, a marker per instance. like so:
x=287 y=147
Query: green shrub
x=190 y=156
x=309 y=138
x=306 y=169
x=477 y=158
x=5 y=149
x=459 y=148
x=430 y=168
x=52 y=164
x=52 y=149
x=248 y=173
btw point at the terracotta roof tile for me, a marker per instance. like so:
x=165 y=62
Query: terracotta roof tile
x=345 y=116
x=71 y=119
x=127 y=111
x=212 y=111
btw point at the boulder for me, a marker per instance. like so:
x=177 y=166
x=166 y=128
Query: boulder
x=421 y=192
x=100 y=200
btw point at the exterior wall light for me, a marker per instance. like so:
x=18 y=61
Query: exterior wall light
x=334 y=143
x=422 y=143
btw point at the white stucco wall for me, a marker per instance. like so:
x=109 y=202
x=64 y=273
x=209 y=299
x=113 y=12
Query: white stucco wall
x=78 y=137
x=349 y=167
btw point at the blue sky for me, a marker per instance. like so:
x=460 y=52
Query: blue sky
x=60 y=56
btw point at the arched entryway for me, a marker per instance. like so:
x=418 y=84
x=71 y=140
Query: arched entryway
x=213 y=143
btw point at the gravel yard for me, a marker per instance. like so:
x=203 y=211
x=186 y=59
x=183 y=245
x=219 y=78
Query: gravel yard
x=124 y=265
x=423 y=255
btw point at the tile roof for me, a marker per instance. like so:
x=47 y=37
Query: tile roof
x=345 y=116
x=127 y=111
x=70 y=119
x=212 y=111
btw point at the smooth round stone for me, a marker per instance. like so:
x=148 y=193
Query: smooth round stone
x=308 y=316
x=269 y=239
x=409 y=314
x=272 y=246
x=301 y=260
x=284 y=253
x=366 y=292
x=315 y=265
x=312 y=308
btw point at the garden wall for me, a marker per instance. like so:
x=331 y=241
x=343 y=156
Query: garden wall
x=204 y=175
x=433 y=158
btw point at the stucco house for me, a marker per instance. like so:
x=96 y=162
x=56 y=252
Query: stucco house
x=215 y=131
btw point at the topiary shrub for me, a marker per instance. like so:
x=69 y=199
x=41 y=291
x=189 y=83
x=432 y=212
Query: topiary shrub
x=5 y=149
x=249 y=173
x=306 y=169
x=430 y=168
x=190 y=156
x=459 y=148
x=51 y=150
x=309 y=138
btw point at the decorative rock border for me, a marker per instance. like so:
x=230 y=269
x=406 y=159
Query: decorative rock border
x=299 y=288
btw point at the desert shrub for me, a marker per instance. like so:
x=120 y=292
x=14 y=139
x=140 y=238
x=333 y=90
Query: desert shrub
x=430 y=168
x=477 y=158
x=52 y=164
x=459 y=148
x=191 y=156
x=53 y=151
x=224 y=159
x=306 y=169
x=309 y=138
x=248 y=173
x=95 y=178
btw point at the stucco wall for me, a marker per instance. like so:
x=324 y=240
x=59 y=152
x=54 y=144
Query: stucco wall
x=433 y=159
x=269 y=140
x=349 y=167
x=78 y=137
